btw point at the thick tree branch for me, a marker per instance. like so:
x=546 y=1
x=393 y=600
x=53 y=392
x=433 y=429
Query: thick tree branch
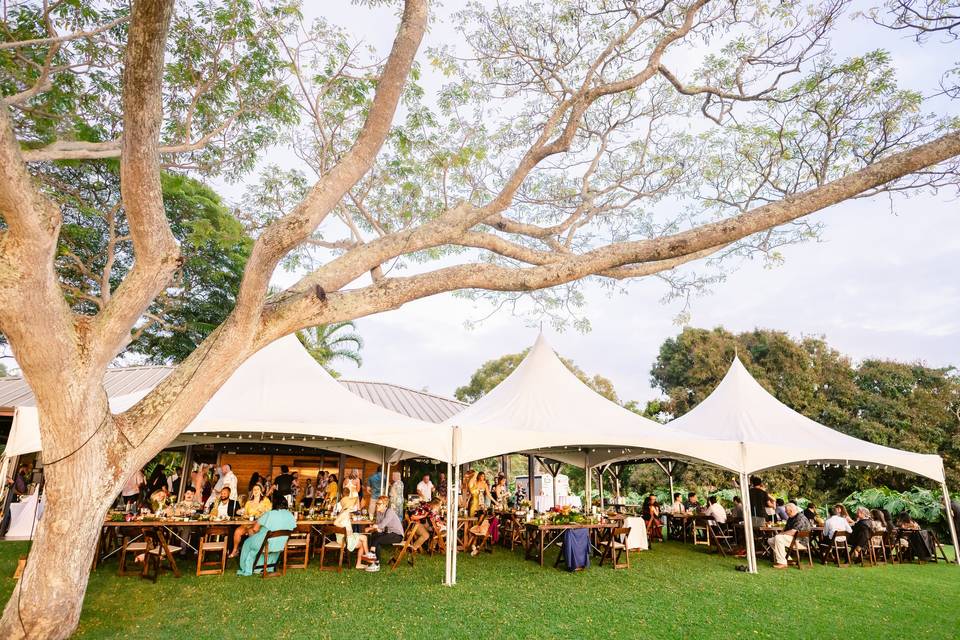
x=156 y=251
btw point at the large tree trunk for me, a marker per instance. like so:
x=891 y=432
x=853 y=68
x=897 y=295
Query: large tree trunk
x=79 y=491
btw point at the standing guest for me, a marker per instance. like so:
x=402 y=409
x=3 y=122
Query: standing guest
x=677 y=506
x=173 y=481
x=257 y=504
x=759 y=500
x=197 y=479
x=333 y=488
x=479 y=493
x=395 y=494
x=692 y=504
x=308 y=494
x=715 y=511
x=321 y=484
x=295 y=488
x=780 y=511
x=955 y=512
x=736 y=511
x=20 y=481
x=283 y=486
x=227 y=480
x=837 y=522
x=425 y=489
x=387 y=530
x=278 y=518
x=501 y=493
x=224 y=507
x=441 y=487
x=373 y=483
x=131 y=489
x=779 y=543
x=158 y=479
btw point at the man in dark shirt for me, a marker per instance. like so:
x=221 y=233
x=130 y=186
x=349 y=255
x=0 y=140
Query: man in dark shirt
x=810 y=512
x=862 y=530
x=283 y=484
x=692 y=504
x=759 y=498
x=796 y=521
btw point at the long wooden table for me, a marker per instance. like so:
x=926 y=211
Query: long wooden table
x=540 y=537
x=169 y=526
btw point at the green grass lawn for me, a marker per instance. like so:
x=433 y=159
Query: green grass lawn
x=673 y=591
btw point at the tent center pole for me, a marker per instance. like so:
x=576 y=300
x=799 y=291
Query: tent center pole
x=950 y=523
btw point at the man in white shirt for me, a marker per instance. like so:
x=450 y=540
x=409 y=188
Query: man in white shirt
x=715 y=511
x=227 y=479
x=425 y=489
x=836 y=522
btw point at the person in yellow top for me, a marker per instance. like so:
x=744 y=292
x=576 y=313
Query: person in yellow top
x=331 y=490
x=257 y=505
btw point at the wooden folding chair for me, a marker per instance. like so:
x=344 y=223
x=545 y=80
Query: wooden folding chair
x=133 y=540
x=157 y=552
x=481 y=540
x=405 y=547
x=296 y=554
x=329 y=541
x=878 y=547
x=214 y=541
x=834 y=549
x=800 y=543
x=722 y=537
x=938 y=548
x=278 y=568
x=614 y=546
x=700 y=529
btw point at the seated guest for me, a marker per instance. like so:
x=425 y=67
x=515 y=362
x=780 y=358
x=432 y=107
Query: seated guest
x=837 y=522
x=158 y=499
x=780 y=511
x=420 y=517
x=906 y=523
x=650 y=508
x=278 y=518
x=223 y=507
x=353 y=539
x=843 y=512
x=257 y=505
x=779 y=543
x=677 y=506
x=879 y=521
x=692 y=504
x=862 y=530
x=811 y=512
x=387 y=530
x=186 y=507
x=736 y=512
x=715 y=511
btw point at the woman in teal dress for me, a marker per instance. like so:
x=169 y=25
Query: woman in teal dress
x=277 y=519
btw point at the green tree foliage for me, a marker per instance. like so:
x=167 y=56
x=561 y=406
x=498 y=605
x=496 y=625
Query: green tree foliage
x=909 y=406
x=493 y=372
x=95 y=254
x=328 y=343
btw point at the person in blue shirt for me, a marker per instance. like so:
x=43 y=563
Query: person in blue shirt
x=278 y=518
x=374 y=483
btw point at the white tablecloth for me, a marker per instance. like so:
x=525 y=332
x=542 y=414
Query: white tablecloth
x=21 y=515
x=638 y=534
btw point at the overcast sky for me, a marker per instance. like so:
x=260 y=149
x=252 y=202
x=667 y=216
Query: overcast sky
x=878 y=284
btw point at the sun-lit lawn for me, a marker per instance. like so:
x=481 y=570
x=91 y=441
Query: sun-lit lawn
x=673 y=591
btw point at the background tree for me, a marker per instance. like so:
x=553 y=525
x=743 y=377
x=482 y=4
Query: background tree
x=493 y=372
x=908 y=406
x=567 y=141
x=328 y=343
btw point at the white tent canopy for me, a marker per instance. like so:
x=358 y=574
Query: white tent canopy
x=282 y=394
x=542 y=407
x=772 y=434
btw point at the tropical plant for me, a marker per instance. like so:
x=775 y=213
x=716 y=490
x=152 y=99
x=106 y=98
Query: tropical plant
x=923 y=505
x=329 y=343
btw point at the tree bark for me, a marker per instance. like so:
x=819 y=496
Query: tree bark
x=79 y=490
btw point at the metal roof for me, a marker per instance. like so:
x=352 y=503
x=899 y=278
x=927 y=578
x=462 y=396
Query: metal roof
x=416 y=404
x=14 y=392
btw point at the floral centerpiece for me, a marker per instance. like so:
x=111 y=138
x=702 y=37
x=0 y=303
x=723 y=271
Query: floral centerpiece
x=564 y=515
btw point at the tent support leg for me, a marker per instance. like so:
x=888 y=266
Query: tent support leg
x=187 y=473
x=748 y=524
x=587 y=483
x=453 y=512
x=951 y=523
x=451 y=535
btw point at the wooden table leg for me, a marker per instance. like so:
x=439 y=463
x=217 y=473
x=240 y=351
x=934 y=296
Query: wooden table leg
x=541 y=536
